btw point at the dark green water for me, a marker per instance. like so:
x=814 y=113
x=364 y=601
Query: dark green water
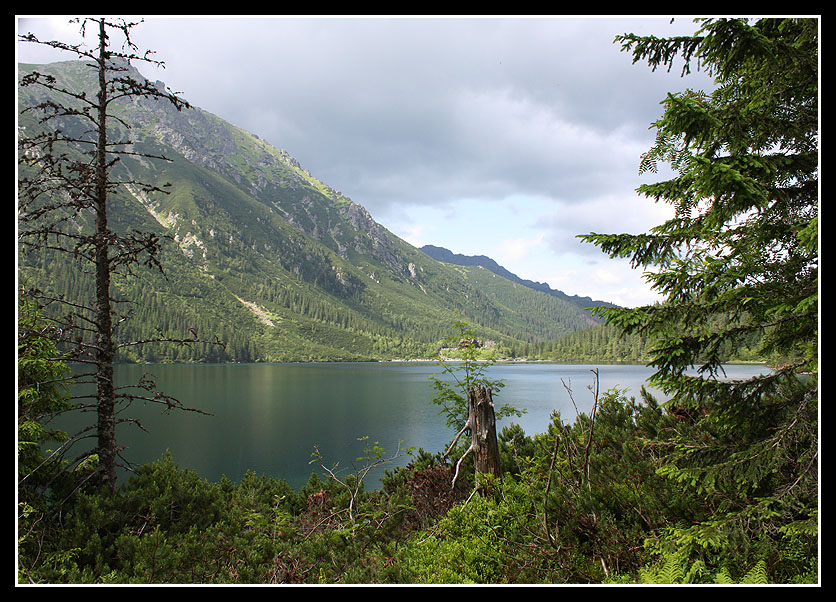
x=267 y=418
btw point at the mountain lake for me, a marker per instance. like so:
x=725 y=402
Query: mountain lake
x=268 y=418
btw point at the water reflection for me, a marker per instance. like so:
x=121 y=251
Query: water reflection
x=267 y=418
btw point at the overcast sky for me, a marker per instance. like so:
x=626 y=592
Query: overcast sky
x=504 y=137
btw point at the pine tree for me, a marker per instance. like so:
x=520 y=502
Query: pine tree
x=66 y=174
x=739 y=259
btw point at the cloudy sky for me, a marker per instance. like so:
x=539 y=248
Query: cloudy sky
x=504 y=137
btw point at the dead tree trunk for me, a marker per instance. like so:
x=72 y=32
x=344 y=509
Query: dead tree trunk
x=483 y=428
x=105 y=348
x=481 y=421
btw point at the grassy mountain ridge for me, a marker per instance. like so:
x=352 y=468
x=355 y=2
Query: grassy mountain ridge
x=447 y=256
x=260 y=254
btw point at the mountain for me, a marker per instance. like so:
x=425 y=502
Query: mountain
x=261 y=255
x=447 y=256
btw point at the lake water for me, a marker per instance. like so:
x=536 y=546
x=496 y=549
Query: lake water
x=267 y=418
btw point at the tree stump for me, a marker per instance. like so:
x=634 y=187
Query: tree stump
x=482 y=422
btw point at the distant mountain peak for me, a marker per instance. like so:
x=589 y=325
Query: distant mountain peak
x=447 y=256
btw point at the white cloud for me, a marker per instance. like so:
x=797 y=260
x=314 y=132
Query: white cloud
x=411 y=233
x=517 y=249
x=607 y=280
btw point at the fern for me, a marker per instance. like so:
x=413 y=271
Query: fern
x=675 y=568
x=755 y=576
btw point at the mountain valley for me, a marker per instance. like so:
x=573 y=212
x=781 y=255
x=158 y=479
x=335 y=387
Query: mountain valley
x=261 y=256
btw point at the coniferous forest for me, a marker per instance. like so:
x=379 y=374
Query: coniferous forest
x=718 y=485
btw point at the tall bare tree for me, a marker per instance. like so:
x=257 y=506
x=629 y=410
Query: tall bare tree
x=67 y=173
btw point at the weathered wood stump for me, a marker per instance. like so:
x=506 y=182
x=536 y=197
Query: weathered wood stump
x=482 y=421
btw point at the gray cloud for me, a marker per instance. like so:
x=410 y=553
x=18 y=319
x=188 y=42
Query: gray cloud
x=400 y=112
x=487 y=105
x=426 y=110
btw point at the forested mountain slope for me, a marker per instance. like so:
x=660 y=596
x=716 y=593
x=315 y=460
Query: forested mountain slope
x=265 y=258
x=442 y=254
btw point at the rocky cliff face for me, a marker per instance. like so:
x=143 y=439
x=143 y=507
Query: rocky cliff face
x=272 y=176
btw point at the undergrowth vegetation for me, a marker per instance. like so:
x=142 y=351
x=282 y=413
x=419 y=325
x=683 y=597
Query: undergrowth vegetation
x=582 y=502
